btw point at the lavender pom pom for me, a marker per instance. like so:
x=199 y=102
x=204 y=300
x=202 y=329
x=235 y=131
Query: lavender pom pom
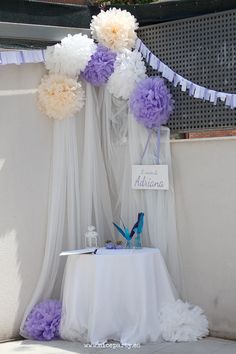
x=109 y=245
x=100 y=67
x=43 y=321
x=151 y=102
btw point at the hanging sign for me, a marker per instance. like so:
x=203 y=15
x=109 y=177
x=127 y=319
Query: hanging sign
x=150 y=177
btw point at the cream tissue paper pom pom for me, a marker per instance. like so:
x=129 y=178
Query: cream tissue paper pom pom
x=115 y=29
x=60 y=97
x=129 y=70
x=182 y=322
x=71 y=56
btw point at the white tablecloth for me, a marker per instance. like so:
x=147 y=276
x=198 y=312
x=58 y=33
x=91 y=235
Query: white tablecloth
x=115 y=294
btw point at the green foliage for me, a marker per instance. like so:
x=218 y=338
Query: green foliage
x=120 y=2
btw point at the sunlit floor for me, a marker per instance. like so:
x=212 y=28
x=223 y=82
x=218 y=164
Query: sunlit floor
x=206 y=346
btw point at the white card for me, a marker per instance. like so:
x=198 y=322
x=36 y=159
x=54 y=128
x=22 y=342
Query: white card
x=150 y=177
x=79 y=251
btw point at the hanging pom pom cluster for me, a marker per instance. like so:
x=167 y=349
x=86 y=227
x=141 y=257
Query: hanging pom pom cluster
x=115 y=29
x=71 y=56
x=129 y=70
x=151 y=102
x=100 y=67
x=60 y=96
x=107 y=59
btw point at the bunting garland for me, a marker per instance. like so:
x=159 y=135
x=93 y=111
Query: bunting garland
x=19 y=57
x=194 y=90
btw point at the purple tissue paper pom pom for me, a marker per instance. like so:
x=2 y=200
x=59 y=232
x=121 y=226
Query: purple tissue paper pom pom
x=151 y=102
x=43 y=321
x=100 y=67
x=110 y=246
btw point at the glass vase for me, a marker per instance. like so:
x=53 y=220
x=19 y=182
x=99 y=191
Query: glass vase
x=128 y=244
x=138 y=241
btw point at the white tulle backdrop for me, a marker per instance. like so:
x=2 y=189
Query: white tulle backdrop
x=91 y=184
x=123 y=141
x=63 y=229
x=78 y=195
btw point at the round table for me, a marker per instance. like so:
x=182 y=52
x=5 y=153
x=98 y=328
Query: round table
x=115 y=295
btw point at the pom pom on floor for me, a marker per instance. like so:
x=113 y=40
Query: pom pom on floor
x=43 y=321
x=182 y=322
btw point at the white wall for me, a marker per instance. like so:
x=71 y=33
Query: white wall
x=205 y=186
x=25 y=152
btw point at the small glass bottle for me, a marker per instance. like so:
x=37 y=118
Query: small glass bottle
x=91 y=237
x=138 y=241
x=128 y=243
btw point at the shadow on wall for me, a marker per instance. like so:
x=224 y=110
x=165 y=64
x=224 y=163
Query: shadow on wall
x=10 y=278
x=25 y=154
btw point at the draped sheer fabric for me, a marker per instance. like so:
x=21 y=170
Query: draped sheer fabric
x=64 y=182
x=78 y=195
x=91 y=184
x=159 y=206
x=124 y=141
x=95 y=196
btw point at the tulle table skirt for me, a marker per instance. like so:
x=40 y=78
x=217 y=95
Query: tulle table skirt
x=115 y=295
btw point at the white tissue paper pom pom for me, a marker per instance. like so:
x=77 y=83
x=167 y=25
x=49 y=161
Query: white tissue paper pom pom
x=71 y=56
x=115 y=29
x=129 y=70
x=60 y=97
x=182 y=322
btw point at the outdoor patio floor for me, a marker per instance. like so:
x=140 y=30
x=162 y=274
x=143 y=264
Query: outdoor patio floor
x=206 y=346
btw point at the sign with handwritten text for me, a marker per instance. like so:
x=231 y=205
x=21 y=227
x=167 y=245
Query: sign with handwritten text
x=150 y=177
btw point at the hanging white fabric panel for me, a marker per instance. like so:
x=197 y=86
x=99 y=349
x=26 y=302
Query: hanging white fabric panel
x=124 y=141
x=159 y=206
x=95 y=198
x=114 y=126
x=63 y=229
x=78 y=195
